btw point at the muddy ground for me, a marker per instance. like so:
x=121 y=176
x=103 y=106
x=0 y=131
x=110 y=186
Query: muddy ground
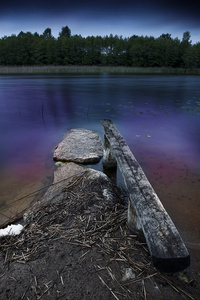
x=79 y=248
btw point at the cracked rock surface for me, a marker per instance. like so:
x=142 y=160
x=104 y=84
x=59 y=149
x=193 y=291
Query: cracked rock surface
x=79 y=146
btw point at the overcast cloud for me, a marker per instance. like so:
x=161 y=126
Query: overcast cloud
x=126 y=18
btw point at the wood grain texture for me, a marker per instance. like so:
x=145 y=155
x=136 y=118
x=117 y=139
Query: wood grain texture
x=167 y=249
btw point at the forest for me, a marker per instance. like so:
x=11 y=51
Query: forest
x=27 y=49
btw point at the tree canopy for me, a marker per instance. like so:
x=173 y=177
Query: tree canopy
x=65 y=32
x=136 y=51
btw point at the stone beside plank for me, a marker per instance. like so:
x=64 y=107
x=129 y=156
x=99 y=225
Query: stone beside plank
x=80 y=146
x=93 y=188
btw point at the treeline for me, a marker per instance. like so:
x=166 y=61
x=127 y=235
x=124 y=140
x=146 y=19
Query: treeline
x=29 y=49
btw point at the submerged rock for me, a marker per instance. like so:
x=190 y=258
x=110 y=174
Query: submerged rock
x=80 y=146
x=91 y=189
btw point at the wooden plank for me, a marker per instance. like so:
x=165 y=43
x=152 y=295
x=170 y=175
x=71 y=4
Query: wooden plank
x=109 y=160
x=167 y=249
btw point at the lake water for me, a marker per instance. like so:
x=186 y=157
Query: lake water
x=159 y=116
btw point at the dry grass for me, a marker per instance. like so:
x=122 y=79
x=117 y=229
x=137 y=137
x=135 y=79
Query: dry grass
x=93 y=69
x=108 y=234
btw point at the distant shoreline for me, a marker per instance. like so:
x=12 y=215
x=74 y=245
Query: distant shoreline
x=12 y=70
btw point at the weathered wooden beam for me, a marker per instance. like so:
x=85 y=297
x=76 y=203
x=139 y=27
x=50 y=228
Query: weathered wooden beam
x=109 y=160
x=133 y=222
x=166 y=247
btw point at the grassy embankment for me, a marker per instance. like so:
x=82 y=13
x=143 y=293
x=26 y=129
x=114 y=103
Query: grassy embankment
x=93 y=69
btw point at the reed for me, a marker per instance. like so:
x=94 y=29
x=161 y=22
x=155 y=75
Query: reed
x=9 y=70
x=83 y=233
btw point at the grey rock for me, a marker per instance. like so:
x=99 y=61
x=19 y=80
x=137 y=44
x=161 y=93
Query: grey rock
x=92 y=188
x=80 y=146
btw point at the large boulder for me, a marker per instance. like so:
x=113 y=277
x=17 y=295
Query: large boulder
x=92 y=191
x=80 y=146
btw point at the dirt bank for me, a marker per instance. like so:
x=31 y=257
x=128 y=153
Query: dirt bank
x=80 y=248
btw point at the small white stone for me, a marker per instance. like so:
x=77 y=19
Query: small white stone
x=11 y=230
x=128 y=274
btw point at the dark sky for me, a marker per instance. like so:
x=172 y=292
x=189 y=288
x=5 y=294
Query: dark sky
x=126 y=18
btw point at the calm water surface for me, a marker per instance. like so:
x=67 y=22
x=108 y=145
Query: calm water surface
x=159 y=116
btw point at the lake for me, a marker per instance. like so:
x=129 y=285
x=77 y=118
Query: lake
x=159 y=117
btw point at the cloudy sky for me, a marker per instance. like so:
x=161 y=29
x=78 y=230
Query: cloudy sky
x=86 y=17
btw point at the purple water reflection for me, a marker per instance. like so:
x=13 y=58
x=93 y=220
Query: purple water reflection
x=159 y=116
